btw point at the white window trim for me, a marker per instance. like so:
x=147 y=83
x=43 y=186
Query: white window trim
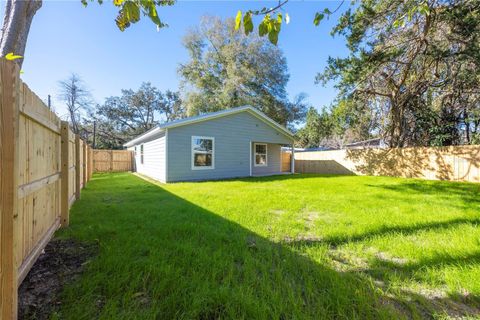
x=255 y=155
x=193 y=153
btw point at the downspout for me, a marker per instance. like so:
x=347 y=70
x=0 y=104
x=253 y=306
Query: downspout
x=166 y=155
x=250 y=152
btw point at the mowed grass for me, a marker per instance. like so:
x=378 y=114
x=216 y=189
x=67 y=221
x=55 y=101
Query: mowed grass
x=285 y=247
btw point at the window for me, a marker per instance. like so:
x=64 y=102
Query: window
x=203 y=153
x=135 y=151
x=260 y=154
x=141 y=153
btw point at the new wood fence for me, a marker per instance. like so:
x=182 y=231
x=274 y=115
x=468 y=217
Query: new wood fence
x=112 y=160
x=455 y=163
x=285 y=163
x=43 y=166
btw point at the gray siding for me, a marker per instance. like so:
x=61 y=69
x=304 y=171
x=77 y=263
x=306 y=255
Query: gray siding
x=274 y=164
x=153 y=157
x=233 y=136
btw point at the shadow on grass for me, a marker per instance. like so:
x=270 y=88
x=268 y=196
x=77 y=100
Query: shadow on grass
x=279 y=177
x=334 y=241
x=384 y=271
x=468 y=192
x=456 y=305
x=164 y=257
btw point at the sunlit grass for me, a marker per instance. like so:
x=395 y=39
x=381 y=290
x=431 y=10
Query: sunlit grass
x=287 y=247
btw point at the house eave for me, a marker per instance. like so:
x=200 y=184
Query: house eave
x=143 y=137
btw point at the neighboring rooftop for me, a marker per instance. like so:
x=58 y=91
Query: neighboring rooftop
x=370 y=143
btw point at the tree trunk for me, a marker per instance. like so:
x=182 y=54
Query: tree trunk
x=16 y=25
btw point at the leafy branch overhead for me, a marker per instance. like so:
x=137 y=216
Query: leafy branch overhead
x=272 y=21
x=130 y=11
x=270 y=25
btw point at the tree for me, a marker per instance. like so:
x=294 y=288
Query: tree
x=310 y=135
x=228 y=69
x=135 y=112
x=416 y=64
x=19 y=15
x=77 y=99
x=333 y=127
x=103 y=132
x=171 y=106
x=17 y=19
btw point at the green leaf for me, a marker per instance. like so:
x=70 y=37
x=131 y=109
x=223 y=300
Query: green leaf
x=410 y=14
x=318 y=18
x=238 y=20
x=398 y=23
x=424 y=9
x=247 y=23
x=263 y=28
x=277 y=25
x=153 y=15
x=273 y=37
x=118 y=3
x=10 y=56
x=130 y=13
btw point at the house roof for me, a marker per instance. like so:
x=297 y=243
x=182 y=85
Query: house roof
x=367 y=143
x=209 y=116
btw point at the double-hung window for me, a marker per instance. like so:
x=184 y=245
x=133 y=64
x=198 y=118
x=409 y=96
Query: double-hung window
x=141 y=154
x=260 y=154
x=203 y=153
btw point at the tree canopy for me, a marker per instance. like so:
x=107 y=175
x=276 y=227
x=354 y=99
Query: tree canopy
x=227 y=69
x=336 y=126
x=77 y=98
x=416 y=64
x=121 y=118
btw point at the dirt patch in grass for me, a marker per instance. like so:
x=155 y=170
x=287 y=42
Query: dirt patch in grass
x=61 y=262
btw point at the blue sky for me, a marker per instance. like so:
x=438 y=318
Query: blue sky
x=65 y=37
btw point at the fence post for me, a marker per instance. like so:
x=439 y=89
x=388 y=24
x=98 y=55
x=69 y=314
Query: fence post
x=90 y=163
x=65 y=175
x=8 y=187
x=77 y=167
x=111 y=160
x=84 y=165
x=292 y=159
x=93 y=161
x=132 y=162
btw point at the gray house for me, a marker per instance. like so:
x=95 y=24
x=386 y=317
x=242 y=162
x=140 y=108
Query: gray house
x=238 y=142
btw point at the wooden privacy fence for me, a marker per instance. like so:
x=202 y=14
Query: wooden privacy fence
x=455 y=163
x=43 y=166
x=285 y=163
x=112 y=160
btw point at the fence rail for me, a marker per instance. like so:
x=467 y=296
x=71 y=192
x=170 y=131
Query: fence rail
x=455 y=163
x=43 y=166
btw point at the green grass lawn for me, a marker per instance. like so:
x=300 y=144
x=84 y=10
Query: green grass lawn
x=286 y=247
